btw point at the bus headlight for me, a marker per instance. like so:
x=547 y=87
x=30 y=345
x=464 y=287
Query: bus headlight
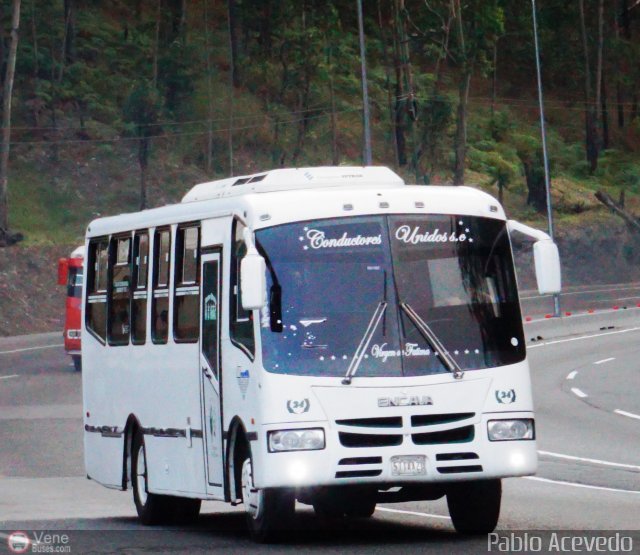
x=508 y=430
x=310 y=439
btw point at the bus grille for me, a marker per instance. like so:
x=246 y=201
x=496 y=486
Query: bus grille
x=358 y=473
x=459 y=469
x=369 y=440
x=381 y=422
x=434 y=419
x=457 y=435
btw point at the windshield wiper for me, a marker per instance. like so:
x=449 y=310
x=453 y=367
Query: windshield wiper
x=432 y=338
x=364 y=342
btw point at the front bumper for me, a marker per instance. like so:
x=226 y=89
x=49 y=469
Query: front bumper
x=452 y=452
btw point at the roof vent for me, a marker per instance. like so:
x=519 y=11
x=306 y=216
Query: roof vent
x=291 y=179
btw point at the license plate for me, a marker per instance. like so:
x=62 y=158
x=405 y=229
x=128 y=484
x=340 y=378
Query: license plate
x=409 y=465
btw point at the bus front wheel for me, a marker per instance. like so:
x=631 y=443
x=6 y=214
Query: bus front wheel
x=269 y=512
x=475 y=506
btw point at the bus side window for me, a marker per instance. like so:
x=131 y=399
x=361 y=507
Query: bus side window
x=160 y=300
x=139 y=299
x=241 y=322
x=96 y=309
x=186 y=301
x=119 y=290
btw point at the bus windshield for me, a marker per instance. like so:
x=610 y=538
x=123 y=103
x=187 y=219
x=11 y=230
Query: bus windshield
x=362 y=287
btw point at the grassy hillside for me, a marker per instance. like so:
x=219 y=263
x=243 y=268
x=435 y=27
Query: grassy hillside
x=96 y=84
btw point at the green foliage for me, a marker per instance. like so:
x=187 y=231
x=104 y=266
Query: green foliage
x=299 y=68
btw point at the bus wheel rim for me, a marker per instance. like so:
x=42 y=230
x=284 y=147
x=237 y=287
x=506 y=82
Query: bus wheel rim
x=141 y=473
x=253 y=498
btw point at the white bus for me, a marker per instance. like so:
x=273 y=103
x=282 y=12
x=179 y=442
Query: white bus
x=327 y=335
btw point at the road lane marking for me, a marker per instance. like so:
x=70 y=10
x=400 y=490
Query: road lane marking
x=572 y=375
x=32 y=349
x=580 y=338
x=578 y=392
x=11 y=376
x=625 y=413
x=584 y=486
x=414 y=513
x=593 y=461
x=604 y=360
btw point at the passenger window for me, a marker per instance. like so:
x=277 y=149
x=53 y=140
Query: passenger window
x=241 y=321
x=120 y=291
x=96 y=308
x=139 y=300
x=160 y=301
x=186 y=301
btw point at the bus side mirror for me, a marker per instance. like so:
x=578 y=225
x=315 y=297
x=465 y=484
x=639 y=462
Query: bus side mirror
x=253 y=281
x=547 y=264
x=63 y=271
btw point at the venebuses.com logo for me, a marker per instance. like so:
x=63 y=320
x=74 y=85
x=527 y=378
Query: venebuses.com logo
x=18 y=542
x=40 y=542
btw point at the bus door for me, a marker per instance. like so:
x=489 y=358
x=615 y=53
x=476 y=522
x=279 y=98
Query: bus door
x=210 y=368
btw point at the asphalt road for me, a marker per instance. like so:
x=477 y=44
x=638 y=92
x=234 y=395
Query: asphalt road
x=588 y=425
x=582 y=299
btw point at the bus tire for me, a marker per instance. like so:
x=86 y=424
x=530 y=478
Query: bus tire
x=362 y=507
x=151 y=507
x=328 y=505
x=77 y=363
x=186 y=510
x=269 y=512
x=475 y=506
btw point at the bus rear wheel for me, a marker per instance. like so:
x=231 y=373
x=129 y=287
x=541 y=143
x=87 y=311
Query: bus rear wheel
x=77 y=362
x=151 y=507
x=475 y=506
x=269 y=512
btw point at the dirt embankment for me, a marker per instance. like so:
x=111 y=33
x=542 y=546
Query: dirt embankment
x=31 y=301
x=595 y=253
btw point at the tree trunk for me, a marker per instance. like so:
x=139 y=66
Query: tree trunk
x=620 y=96
x=70 y=31
x=460 y=141
x=207 y=46
x=232 y=20
x=604 y=113
x=591 y=132
x=156 y=45
x=143 y=160
x=629 y=219
x=387 y=73
x=494 y=81
x=399 y=108
x=536 y=192
x=6 y=123
x=34 y=34
x=335 y=155
x=460 y=146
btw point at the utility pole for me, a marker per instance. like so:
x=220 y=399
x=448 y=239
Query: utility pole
x=365 y=91
x=545 y=157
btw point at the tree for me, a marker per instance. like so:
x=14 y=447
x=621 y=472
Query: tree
x=6 y=237
x=141 y=111
x=476 y=30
